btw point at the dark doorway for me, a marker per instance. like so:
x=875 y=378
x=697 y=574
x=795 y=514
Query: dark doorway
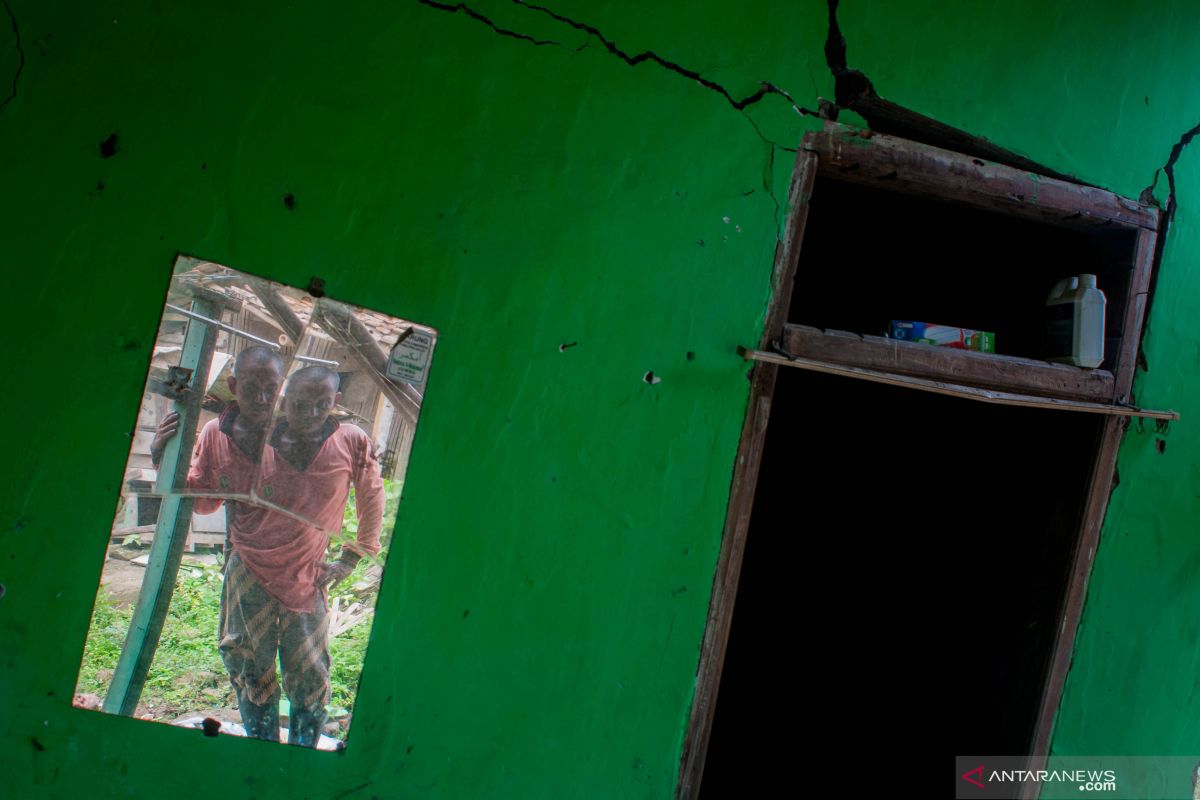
x=908 y=553
x=905 y=564
x=910 y=566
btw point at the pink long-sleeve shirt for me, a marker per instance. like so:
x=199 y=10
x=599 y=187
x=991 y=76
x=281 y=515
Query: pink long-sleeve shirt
x=282 y=552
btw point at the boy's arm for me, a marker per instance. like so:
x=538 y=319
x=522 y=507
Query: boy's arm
x=202 y=474
x=368 y=504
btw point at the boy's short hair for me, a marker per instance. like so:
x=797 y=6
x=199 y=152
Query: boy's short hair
x=257 y=354
x=316 y=373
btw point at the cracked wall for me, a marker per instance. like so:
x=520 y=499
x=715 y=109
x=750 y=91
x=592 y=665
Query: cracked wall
x=1097 y=93
x=18 y=53
x=523 y=178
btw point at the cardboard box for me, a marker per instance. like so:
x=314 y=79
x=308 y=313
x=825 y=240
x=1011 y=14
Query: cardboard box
x=944 y=336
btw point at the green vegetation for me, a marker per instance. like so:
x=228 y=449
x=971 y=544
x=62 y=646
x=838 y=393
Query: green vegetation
x=187 y=676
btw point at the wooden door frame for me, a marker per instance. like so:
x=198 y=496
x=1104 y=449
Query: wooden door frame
x=860 y=156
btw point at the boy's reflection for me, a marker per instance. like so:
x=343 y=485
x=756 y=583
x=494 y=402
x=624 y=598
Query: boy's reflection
x=257 y=376
x=274 y=598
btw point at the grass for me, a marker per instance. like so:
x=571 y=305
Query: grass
x=187 y=675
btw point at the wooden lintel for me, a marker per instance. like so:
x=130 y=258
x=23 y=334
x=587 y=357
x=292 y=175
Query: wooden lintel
x=893 y=119
x=885 y=162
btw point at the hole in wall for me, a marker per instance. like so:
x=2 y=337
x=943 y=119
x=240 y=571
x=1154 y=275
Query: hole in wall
x=108 y=148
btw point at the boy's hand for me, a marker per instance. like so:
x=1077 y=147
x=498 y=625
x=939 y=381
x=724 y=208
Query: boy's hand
x=166 y=429
x=331 y=573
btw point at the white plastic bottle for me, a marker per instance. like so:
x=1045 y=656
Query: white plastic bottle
x=1075 y=322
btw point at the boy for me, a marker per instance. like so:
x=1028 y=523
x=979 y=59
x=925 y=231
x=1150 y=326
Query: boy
x=276 y=580
x=276 y=576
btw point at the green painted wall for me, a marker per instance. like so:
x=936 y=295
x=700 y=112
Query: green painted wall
x=539 y=630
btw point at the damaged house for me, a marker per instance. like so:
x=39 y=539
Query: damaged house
x=680 y=500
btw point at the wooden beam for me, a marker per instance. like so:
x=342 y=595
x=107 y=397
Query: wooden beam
x=1135 y=310
x=956 y=390
x=1100 y=486
x=885 y=162
x=348 y=332
x=278 y=308
x=967 y=367
x=884 y=116
x=741 y=494
x=337 y=320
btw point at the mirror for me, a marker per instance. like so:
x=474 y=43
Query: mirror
x=260 y=492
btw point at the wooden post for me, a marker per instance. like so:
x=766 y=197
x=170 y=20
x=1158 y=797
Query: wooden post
x=174 y=518
x=351 y=334
x=337 y=321
x=744 y=482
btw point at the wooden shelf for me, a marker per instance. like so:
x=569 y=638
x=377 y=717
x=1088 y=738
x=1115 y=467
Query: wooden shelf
x=950 y=365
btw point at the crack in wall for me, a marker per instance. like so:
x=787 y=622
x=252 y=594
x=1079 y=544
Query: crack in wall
x=1168 y=218
x=770 y=186
x=766 y=88
x=475 y=15
x=20 y=53
x=848 y=84
x=853 y=90
x=1168 y=169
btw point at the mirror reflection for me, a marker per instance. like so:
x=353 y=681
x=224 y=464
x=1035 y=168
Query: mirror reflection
x=251 y=535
